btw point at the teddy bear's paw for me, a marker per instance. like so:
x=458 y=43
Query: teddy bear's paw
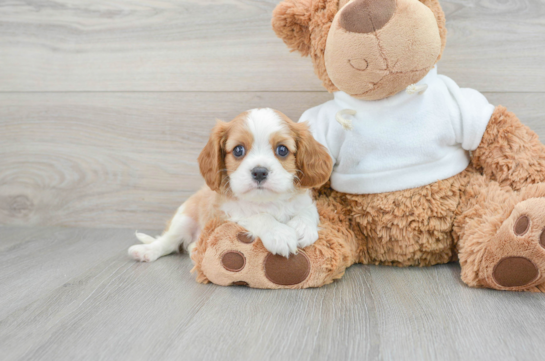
x=234 y=258
x=515 y=257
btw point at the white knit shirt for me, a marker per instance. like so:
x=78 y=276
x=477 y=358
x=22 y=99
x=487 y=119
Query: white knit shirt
x=404 y=141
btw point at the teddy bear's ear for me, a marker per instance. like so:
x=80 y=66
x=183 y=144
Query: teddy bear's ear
x=291 y=19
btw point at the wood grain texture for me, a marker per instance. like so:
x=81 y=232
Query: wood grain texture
x=61 y=253
x=116 y=309
x=129 y=159
x=189 y=45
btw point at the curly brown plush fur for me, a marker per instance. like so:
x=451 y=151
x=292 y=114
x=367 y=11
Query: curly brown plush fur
x=510 y=152
x=490 y=217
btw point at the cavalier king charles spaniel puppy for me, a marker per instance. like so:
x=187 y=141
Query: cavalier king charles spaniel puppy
x=258 y=169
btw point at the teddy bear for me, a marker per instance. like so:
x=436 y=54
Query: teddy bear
x=425 y=172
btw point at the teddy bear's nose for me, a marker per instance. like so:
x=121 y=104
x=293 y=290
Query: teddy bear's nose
x=366 y=16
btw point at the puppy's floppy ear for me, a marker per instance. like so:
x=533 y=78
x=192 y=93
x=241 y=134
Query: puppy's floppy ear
x=290 y=21
x=311 y=158
x=211 y=159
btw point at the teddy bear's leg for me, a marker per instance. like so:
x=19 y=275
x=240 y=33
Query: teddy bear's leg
x=501 y=236
x=224 y=255
x=510 y=152
x=411 y=227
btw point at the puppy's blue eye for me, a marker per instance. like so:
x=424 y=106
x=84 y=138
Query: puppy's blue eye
x=239 y=151
x=282 y=151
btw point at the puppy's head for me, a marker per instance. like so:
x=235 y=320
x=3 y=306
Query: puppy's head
x=262 y=155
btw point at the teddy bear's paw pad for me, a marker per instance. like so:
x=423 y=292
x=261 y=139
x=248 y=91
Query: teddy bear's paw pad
x=515 y=272
x=244 y=237
x=515 y=258
x=287 y=271
x=240 y=283
x=233 y=261
x=522 y=225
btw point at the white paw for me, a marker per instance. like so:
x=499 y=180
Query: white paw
x=144 y=238
x=307 y=233
x=144 y=252
x=280 y=240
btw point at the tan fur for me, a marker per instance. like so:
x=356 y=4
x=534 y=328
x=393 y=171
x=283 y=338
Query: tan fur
x=204 y=206
x=312 y=159
x=238 y=134
x=510 y=152
x=212 y=158
x=216 y=161
x=284 y=138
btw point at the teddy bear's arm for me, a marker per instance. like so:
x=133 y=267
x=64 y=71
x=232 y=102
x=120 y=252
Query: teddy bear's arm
x=510 y=152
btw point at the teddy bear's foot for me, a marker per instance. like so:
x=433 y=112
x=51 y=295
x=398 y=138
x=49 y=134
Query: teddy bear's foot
x=515 y=257
x=226 y=256
x=237 y=259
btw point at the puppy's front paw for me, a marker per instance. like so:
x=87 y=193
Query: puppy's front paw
x=281 y=240
x=307 y=233
x=144 y=252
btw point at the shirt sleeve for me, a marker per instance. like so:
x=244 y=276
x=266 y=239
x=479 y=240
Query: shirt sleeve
x=471 y=115
x=323 y=127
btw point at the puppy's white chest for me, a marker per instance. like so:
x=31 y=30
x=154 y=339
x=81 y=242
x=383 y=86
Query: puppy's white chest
x=282 y=211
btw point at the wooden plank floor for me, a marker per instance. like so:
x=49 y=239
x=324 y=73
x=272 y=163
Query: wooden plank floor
x=73 y=294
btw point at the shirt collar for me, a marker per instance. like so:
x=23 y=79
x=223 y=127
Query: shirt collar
x=347 y=101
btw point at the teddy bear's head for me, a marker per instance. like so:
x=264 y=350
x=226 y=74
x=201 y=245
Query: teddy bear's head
x=370 y=49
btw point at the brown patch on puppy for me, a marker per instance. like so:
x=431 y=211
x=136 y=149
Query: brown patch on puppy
x=239 y=134
x=312 y=161
x=286 y=139
x=216 y=161
x=211 y=159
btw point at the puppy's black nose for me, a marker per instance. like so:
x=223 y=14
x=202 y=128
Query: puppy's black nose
x=259 y=174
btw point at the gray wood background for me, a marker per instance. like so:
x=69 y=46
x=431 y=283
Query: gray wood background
x=104 y=107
